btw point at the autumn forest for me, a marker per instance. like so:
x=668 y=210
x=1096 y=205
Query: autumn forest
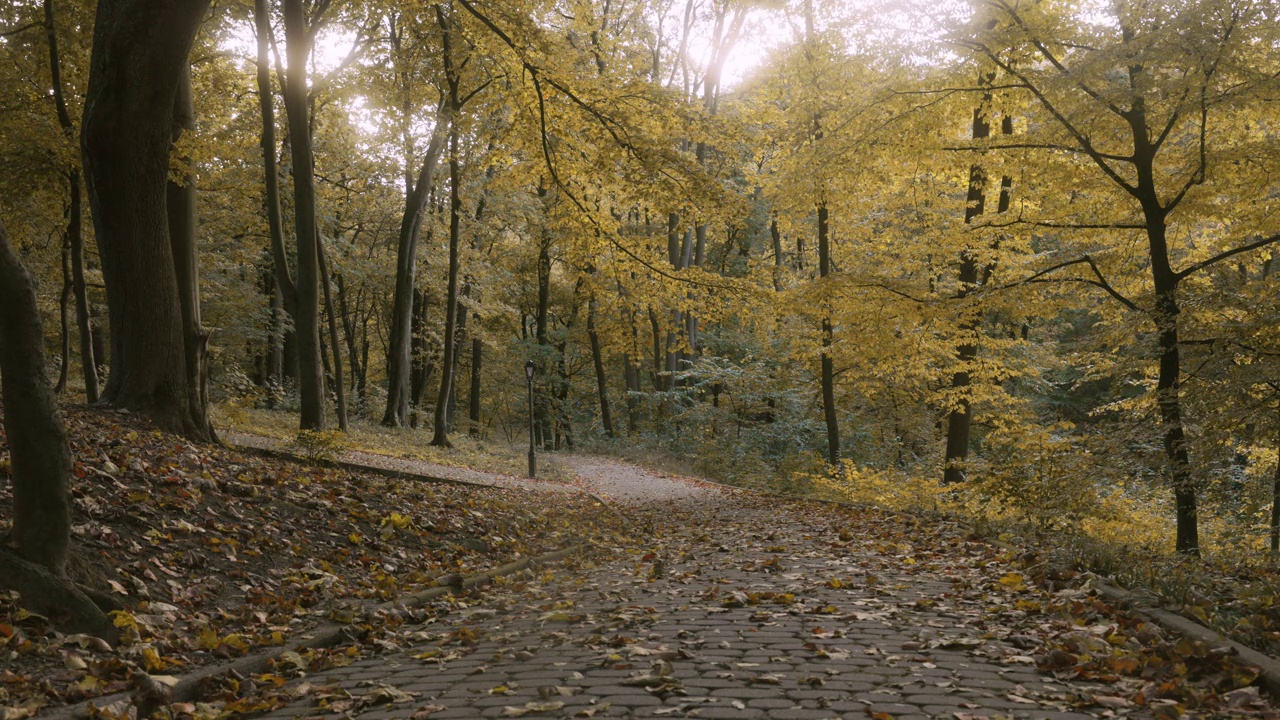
x=1011 y=258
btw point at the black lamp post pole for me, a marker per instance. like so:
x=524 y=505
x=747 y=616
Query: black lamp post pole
x=533 y=457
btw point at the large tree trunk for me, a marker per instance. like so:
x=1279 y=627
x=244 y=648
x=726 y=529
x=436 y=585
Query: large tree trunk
x=398 y=354
x=139 y=55
x=181 y=201
x=33 y=557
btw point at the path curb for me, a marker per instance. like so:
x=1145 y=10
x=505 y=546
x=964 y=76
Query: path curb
x=188 y=687
x=1270 y=667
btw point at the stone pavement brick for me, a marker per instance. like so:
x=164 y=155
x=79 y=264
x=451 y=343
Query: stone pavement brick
x=875 y=643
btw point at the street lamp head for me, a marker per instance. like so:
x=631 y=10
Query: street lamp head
x=528 y=370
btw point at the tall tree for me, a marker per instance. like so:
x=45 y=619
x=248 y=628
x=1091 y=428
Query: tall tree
x=139 y=57
x=298 y=40
x=75 y=215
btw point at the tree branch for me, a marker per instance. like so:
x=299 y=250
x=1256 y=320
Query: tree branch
x=1261 y=242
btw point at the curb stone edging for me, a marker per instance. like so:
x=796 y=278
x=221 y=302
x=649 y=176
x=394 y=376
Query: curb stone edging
x=1270 y=667
x=188 y=687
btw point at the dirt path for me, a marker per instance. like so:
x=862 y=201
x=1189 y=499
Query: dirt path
x=732 y=605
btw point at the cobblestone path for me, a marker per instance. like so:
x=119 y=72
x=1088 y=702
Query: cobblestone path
x=729 y=606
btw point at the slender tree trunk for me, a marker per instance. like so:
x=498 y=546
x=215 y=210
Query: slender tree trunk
x=339 y=384
x=307 y=316
x=64 y=323
x=829 y=410
x=420 y=364
x=75 y=233
x=776 y=236
x=473 y=401
x=602 y=386
x=971 y=277
x=75 y=214
x=399 y=371
x=460 y=333
x=1275 y=501
x=440 y=433
x=349 y=328
x=656 y=332
x=181 y=202
x=139 y=56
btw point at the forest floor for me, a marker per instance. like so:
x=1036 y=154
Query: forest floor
x=691 y=600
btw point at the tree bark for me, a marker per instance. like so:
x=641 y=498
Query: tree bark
x=339 y=385
x=602 y=386
x=285 y=288
x=829 y=410
x=971 y=277
x=181 y=203
x=33 y=557
x=307 y=316
x=140 y=52
x=440 y=433
x=398 y=354
x=75 y=214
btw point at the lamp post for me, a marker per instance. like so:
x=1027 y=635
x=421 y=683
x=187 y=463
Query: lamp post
x=533 y=458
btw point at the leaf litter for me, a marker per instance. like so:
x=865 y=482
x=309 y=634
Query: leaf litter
x=216 y=554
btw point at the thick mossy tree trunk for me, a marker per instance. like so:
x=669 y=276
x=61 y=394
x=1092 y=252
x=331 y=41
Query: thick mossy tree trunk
x=140 y=50
x=33 y=558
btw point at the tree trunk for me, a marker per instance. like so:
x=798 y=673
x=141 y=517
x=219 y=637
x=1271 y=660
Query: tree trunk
x=776 y=237
x=1275 y=502
x=420 y=364
x=33 y=557
x=602 y=387
x=829 y=411
x=473 y=400
x=286 y=291
x=139 y=55
x=64 y=322
x=358 y=369
x=181 y=202
x=307 y=316
x=398 y=354
x=75 y=213
x=339 y=385
x=972 y=277
x=440 y=433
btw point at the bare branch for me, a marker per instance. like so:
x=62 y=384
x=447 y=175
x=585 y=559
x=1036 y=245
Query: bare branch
x=1261 y=242
x=1101 y=281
